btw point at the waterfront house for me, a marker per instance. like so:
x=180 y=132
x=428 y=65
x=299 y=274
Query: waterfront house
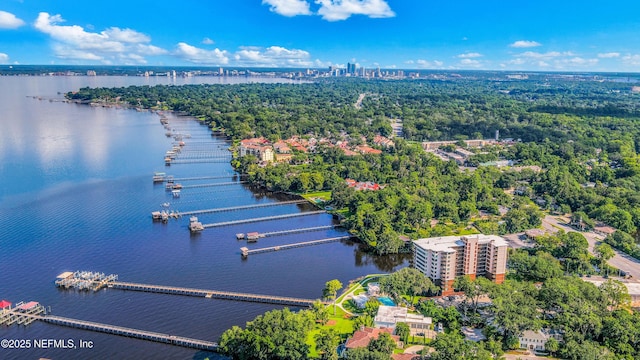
x=389 y=316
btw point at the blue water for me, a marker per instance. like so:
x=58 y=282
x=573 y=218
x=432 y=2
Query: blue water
x=386 y=301
x=76 y=194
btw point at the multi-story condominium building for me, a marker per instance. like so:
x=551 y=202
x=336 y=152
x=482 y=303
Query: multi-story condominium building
x=443 y=259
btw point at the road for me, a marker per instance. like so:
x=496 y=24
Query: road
x=621 y=260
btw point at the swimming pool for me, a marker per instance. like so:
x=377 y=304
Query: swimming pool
x=385 y=300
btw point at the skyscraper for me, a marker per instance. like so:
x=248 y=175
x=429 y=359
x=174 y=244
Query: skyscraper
x=351 y=68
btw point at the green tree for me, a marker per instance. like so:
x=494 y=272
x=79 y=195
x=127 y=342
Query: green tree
x=331 y=288
x=384 y=344
x=327 y=341
x=403 y=331
x=604 y=252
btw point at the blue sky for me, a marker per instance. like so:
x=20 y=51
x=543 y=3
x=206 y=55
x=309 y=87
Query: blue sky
x=559 y=35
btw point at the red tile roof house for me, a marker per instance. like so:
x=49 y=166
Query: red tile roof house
x=363 y=337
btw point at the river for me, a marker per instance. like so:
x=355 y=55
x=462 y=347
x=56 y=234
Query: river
x=76 y=194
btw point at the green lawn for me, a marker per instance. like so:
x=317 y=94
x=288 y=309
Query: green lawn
x=324 y=195
x=343 y=326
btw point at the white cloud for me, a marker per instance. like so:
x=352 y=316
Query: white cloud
x=288 y=7
x=525 y=44
x=425 y=64
x=575 y=63
x=111 y=45
x=274 y=56
x=547 y=55
x=207 y=41
x=9 y=21
x=631 y=59
x=126 y=35
x=335 y=10
x=4 y=58
x=609 y=55
x=469 y=55
x=470 y=63
x=201 y=56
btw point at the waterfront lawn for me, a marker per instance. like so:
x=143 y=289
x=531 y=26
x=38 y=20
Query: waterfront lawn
x=342 y=324
x=322 y=195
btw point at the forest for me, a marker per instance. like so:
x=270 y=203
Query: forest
x=584 y=135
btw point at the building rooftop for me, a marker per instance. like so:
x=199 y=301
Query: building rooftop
x=393 y=314
x=4 y=304
x=362 y=338
x=446 y=243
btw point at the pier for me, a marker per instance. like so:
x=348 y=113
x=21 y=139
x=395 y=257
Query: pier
x=255 y=236
x=297 y=231
x=176 y=290
x=27 y=318
x=213 y=184
x=246 y=252
x=242 y=207
x=213 y=177
x=266 y=218
x=212 y=294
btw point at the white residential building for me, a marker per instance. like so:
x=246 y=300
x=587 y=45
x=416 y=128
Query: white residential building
x=388 y=316
x=443 y=259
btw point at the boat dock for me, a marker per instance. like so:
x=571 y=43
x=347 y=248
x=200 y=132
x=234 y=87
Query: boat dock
x=266 y=218
x=84 y=280
x=27 y=318
x=242 y=207
x=253 y=236
x=245 y=252
x=297 y=231
x=213 y=177
x=129 y=332
x=212 y=294
x=213 y=184
x=175 y=290
x=21 y=313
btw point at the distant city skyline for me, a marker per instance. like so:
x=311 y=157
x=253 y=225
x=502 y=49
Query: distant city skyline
x=390 y=34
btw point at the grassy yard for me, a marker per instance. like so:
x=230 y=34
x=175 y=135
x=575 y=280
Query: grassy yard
x=342 y=325
x=323 y=195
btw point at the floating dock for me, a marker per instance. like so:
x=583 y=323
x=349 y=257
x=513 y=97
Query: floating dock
x=266 y=218
x=245 y=252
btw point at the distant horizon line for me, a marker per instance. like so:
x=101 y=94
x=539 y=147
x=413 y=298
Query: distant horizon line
x=286 y=69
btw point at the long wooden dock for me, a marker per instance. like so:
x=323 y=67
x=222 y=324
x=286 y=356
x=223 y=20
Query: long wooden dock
x=206 y=177
x=214 y=184
x=200 y=161
x=246 y=252
x=297 y=231
x=266 y=218
x=212 y=294
x=127 y=332
x=241 y=207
